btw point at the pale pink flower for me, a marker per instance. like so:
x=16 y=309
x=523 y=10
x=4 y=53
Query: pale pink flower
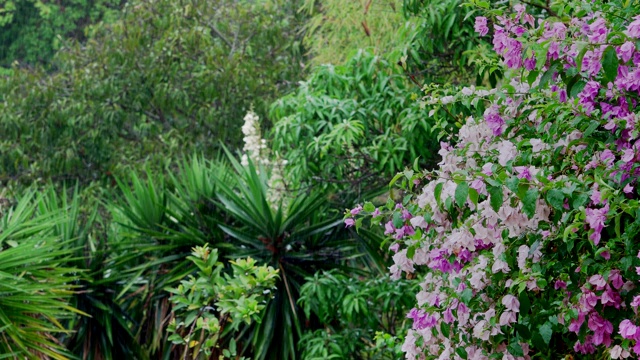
x=511 y=303
x=349 y=222
x=507 y=317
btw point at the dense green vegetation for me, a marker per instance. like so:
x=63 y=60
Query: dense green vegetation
x=122 y=141
x=167 y=79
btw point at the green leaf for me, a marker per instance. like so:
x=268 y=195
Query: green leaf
x=512 y=184
x=437 y=192
x=514 y=348
x=547 y=75
x=529 y=202
x=577 y=88
x=580 y=200
x=533 y=75
x=555 y=198
x=408 y=174
x=610 y=63
x=546 y=332
x=395 y=179
x=466 y=296
x=462 y=352
x=523 y=331
x=462 y=193
x=398 y=222
x=473 y=196
x=444 y=328
x=592 y=126
x=525 y=305
x=369 y=207
x=496 y=197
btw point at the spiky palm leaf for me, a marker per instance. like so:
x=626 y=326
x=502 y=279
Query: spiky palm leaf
x=105 y=332
x=35 y=283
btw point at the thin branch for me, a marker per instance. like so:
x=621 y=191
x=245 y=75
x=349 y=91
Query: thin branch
x=543 y=7
x=219 y=34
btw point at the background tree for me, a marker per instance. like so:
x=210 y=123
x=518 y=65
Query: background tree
x=168 y=78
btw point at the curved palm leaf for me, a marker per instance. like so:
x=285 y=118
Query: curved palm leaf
x=35 y=284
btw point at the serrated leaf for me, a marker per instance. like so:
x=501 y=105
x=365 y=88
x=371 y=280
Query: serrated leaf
x=462 y=193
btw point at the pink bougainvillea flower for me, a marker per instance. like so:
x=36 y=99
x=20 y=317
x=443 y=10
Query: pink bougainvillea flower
x=559 y=284
x=481 y=26
x=511 y=303
x=626 y=50
x=349 y=222
x=633 y=30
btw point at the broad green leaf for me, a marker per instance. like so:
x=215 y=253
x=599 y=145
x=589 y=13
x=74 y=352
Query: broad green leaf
x=496 y=195
x=610 y=63
x=529 y=202
x=462 y=193
x=514 y=348
x=546 y=332
x=555 y=198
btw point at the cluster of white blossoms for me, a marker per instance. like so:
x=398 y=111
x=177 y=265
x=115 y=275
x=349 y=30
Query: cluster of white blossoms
x=255 y=147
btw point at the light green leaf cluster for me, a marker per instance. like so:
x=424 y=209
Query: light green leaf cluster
x=214 y=302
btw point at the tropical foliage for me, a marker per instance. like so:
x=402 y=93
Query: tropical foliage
x=171 y=190
x=37 y=283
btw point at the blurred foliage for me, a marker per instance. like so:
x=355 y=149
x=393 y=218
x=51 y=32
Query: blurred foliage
x=215 y=304
x=443 y=47
x=167 y=79
x=349 y=308
x=351 y=127
x=336 y=29
x=32 y=30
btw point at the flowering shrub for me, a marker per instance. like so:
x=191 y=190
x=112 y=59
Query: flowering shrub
x=526 y=231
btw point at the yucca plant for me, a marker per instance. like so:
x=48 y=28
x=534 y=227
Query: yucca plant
x=105 y=331
x=298 y=237
x=159 y=224
x=36 y=282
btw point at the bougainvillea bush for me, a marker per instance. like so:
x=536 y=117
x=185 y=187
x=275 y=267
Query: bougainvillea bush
x=524 y=238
